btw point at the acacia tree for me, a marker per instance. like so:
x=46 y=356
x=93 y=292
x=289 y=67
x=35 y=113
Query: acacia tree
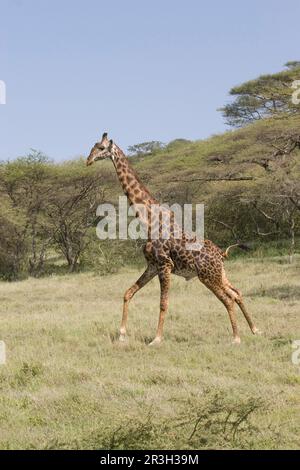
x=24 y=185
x=45 y=205
x=273 y=216
x=13 y=243
x=269 y=153
x=266 y=96
x=71 y=210
x=145 y=148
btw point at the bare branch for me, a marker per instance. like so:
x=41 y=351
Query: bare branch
x=215 y=178
x=269 y=217
x=262 y=234
x=226 y=226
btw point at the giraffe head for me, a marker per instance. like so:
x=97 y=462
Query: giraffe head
x=101 y=150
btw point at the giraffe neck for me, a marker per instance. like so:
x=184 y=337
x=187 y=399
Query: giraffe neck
x=138 y=195
x=133 y=188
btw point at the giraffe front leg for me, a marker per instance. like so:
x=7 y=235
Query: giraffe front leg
x=141 y=282
x=164 y=275
x=127 y=296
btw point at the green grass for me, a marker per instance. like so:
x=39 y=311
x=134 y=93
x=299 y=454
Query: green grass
x=68 y=383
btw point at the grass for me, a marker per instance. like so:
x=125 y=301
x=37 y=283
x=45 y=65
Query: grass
x=68 y=383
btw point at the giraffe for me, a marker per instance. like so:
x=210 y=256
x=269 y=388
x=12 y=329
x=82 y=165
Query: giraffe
x=170 y=255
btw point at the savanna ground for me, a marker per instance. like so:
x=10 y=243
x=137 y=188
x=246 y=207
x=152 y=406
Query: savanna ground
x=68 y=383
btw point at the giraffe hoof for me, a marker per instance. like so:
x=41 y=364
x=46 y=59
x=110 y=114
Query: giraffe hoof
x=256 y=331
x=236 y=340
x=155 y=342
x=122 y=338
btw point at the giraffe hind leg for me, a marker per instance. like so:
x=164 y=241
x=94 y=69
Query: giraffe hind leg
x=239 y=300
x=227 y=298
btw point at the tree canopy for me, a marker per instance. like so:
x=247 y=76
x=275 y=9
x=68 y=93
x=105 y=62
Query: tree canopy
x=266 y=96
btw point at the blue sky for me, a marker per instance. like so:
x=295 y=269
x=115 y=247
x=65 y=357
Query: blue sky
x=143 y=70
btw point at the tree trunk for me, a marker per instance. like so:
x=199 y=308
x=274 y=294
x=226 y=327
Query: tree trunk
x=292 y=242
x=73 y=265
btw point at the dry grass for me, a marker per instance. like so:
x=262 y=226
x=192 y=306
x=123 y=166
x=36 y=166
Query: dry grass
x=68 y=384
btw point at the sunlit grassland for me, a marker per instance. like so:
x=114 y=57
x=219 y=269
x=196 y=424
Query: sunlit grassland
x=68 y=383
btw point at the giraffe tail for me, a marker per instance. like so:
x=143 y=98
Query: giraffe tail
x=240 y=245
